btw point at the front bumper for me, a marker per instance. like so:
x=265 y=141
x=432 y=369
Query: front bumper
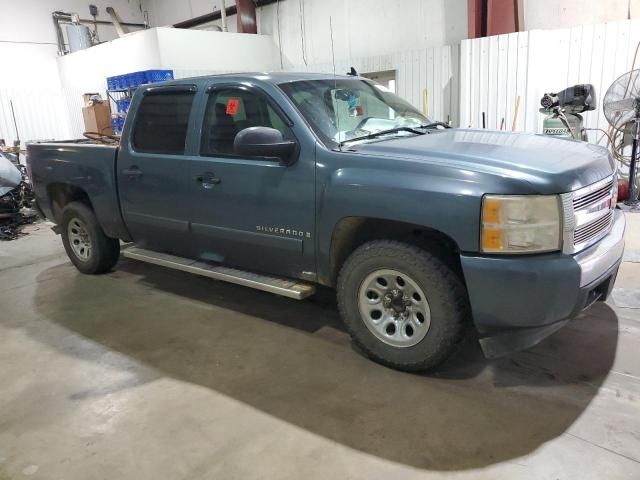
x=516 y=301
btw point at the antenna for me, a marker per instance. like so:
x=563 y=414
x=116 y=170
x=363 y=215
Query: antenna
x=15 y=124
x=335 y=83
x=16 y=142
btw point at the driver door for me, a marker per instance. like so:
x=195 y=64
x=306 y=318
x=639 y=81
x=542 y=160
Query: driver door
x=255 y=213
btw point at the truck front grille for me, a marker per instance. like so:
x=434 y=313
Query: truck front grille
x=592 y=229
x=589 y=199
x=592 y=213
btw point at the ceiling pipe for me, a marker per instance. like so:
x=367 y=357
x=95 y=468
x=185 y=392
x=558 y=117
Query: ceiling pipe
x=246 y=17
x=213 y=16
x=115 y=19
x=107 y=22
x=223 y=16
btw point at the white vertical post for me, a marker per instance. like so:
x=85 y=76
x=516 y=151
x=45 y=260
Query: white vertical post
x=223 y=16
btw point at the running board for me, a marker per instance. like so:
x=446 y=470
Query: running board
x=279 y=286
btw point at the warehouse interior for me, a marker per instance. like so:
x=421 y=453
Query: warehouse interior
x=149 y=330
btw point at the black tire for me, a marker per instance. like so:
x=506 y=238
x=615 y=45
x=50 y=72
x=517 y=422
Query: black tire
x=104 y=251
x=444 y=291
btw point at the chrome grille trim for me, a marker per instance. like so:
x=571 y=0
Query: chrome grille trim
x=568 y=218
x=587 y=214
x=587 y=231
x=594 y=197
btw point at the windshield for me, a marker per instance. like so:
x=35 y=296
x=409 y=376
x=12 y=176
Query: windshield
x=345 y=109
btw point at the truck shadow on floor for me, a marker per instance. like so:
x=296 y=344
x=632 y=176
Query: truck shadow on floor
x=291 y=360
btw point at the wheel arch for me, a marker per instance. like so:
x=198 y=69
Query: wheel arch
x=351 y=232
x=61 y=194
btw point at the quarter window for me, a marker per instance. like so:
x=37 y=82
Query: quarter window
x=161 y=123
x=231 y=110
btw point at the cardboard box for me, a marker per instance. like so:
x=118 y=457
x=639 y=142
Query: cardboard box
x=86 y=98
x=97 y=118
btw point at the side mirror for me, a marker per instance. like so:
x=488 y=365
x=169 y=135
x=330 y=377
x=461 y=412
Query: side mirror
x=264 y=142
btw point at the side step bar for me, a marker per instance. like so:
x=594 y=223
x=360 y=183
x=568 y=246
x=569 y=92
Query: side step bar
x=279 y=286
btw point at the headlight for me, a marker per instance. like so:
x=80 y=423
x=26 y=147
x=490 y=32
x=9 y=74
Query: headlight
x=520 y=223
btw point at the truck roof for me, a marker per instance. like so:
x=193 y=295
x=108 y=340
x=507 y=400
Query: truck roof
x=270 y=77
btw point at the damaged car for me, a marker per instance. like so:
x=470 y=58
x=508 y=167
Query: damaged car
x=10 y=187
x=15 y=194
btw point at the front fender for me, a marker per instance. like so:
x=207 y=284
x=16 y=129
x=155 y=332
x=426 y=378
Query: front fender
x=437 y=199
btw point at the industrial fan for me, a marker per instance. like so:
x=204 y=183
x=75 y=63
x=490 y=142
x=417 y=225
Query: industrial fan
x=622 y=111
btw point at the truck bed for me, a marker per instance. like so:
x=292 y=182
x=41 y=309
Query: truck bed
x=82 y=169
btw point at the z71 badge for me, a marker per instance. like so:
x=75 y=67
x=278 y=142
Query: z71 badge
x=283 y=231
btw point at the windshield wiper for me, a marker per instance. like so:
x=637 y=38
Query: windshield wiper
x=383 y=132
x=435 y=124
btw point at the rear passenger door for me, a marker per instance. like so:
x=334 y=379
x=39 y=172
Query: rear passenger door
x=153 y=176
x=252 y=212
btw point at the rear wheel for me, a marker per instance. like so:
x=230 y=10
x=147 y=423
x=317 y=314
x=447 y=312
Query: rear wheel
x=402 y=306
x=90 y=250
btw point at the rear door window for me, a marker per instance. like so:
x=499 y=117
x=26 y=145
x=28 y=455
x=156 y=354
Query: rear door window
x=161 y=122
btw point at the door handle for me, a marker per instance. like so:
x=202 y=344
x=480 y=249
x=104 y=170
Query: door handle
x=132 y=172
x=207 y=180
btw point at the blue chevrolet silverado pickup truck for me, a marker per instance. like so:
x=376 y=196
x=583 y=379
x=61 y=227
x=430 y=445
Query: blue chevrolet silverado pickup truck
x=283 y=181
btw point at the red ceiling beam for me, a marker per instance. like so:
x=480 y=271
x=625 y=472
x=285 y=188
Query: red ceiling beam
x=502 y=17
x=246 y=16
x=475 y=18
x=493 y=17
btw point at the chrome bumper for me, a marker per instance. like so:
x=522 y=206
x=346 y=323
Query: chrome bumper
x=598 y=259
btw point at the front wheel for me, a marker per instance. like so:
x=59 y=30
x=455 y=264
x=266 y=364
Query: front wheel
x=402 y=306
x=90 y=250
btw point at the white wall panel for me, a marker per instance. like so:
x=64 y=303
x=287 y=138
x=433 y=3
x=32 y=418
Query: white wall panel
x=435 y=69
x=570 y=13
x=37 y=111
x=30 y=75
x=361 y=28
x=496 y=70
x=31 y=81
x=197 y=49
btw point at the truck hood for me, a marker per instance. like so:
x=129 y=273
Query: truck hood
x=548 y=164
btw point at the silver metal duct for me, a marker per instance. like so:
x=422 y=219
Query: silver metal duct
x=117 y=23
x=223 y=16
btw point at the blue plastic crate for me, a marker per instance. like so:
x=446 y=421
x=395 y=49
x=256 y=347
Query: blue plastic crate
x=119 y=82
x=111 y=83
x=154 y=76
x=115 y=82
x=117 y=123
x=128 y=80
x=137 y=79
x=123 y=105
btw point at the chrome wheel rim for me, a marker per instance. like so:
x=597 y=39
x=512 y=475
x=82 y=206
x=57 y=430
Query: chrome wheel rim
x=79 y=239
x=394 y=308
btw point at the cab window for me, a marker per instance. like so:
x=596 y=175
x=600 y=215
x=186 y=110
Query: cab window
x=161 y=123
x=231 y=110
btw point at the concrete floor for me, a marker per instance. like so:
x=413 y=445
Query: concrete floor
x=147 y=373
